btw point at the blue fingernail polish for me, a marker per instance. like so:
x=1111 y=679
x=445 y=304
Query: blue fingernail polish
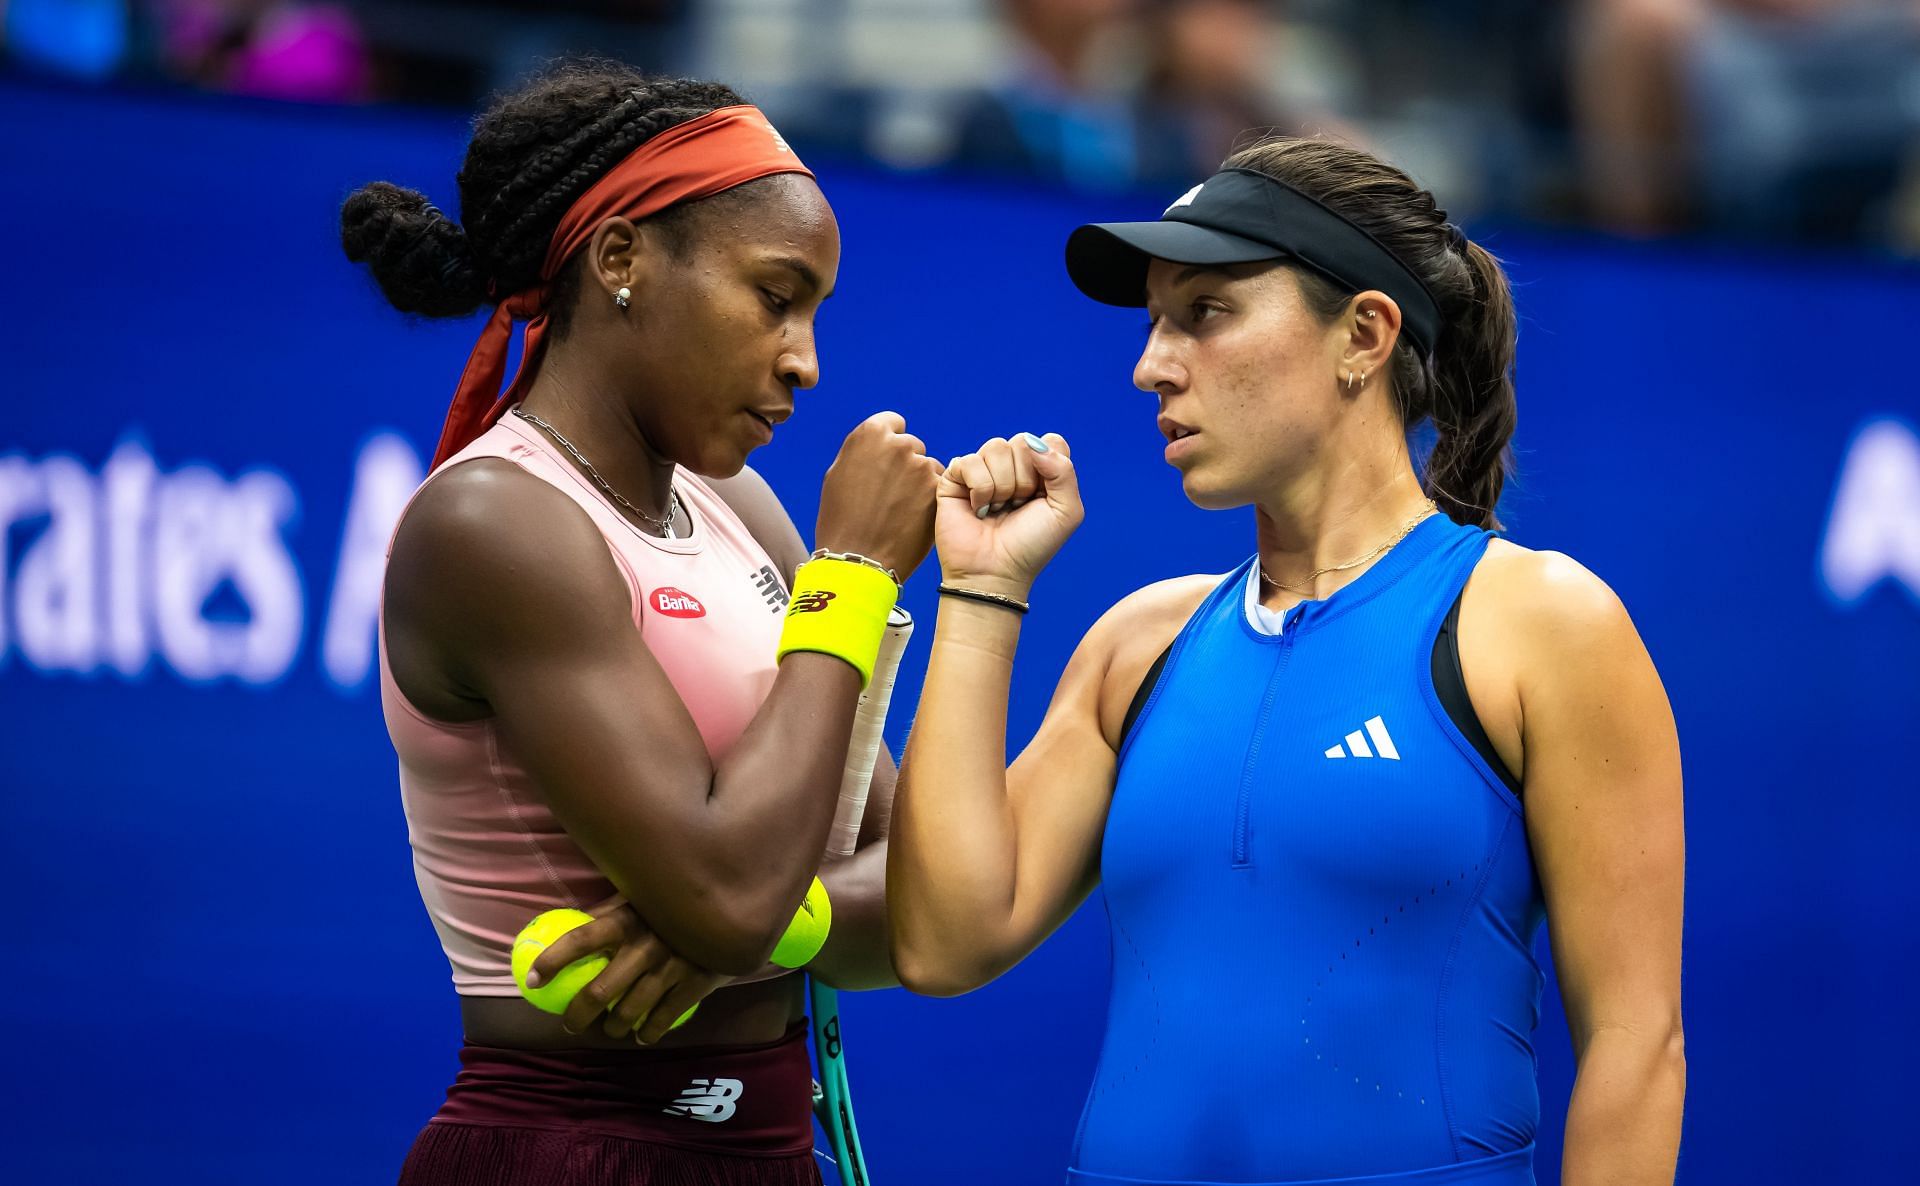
x=1035 y=443
x=982 y=512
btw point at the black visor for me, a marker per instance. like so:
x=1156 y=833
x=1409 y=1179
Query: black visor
x=1236 y=217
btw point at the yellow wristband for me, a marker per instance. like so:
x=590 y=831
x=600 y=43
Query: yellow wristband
x=807 y=933
x=839 y=608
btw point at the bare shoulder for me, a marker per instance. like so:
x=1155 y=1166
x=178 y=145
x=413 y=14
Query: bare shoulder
x=483 y=560
x=1535 y=625
x=487 y=521
x=750 y=496
x=1546 y=597
x=1159 y=609
x=1128 y=638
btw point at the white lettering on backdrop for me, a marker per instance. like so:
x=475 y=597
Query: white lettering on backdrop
x=1873 y=530
x=132 y=563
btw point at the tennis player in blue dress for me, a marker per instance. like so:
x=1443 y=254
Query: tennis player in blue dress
x=1332 y=795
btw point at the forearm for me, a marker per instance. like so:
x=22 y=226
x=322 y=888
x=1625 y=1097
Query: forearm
x=1623 y=1124
x=746 y=836
x=773 y=797
x=951 y=872
x=857 y=954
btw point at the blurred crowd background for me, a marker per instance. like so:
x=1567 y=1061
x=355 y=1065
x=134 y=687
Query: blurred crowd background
x=1782 y=120
x=209 y=438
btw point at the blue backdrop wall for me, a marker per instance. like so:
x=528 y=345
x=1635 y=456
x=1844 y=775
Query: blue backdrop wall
x=221 y=972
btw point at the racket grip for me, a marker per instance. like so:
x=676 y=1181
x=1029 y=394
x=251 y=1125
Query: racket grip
x=863 y=747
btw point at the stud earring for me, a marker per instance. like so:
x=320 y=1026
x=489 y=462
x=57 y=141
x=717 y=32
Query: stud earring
x=624 y=297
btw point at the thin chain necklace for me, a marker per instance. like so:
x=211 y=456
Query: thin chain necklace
x=1306 y=586
x=663 y=526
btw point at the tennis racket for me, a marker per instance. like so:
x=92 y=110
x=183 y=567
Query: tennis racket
x=832 y=1104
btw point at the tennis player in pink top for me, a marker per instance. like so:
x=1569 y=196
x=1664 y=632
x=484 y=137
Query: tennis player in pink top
x=589 y=667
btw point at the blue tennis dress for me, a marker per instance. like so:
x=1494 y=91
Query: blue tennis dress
x=1322 y=906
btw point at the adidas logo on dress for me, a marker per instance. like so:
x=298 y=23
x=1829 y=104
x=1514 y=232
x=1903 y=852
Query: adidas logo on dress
x=1356 y=742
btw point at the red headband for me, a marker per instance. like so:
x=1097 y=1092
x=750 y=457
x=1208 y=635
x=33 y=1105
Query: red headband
x=696 y=159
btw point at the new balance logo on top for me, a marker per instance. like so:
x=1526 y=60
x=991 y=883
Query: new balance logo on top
x=711 y=1100
x=1357 y=742
x=768 y=582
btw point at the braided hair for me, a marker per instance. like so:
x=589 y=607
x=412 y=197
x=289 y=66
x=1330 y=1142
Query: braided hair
x=533 y=153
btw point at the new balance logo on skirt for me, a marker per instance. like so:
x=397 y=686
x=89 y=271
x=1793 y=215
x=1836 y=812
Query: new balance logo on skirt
x=711 y=1100
x=1357 y=743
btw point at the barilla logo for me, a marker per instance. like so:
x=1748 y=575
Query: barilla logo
x=675 y=604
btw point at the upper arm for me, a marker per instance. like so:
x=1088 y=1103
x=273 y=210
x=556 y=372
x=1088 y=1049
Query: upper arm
x=512 y=590
x=1602 y=790
x=1061 y=785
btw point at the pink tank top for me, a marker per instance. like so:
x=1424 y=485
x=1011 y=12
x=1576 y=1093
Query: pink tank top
x=487 y=852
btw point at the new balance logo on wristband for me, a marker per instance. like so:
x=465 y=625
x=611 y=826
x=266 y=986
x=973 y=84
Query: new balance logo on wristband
x=675 y=604
x=711 y=1100
x=811 y=602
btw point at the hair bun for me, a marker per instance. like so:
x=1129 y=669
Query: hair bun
x=422 y=259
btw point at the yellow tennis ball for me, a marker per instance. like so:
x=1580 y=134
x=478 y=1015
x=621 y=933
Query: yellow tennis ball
x=807 y=933
x=557 y=993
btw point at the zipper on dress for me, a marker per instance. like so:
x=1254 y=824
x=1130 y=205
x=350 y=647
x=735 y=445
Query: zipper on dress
x=1243 y=802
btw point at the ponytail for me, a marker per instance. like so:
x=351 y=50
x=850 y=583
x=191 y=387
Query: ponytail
x=1473 y=408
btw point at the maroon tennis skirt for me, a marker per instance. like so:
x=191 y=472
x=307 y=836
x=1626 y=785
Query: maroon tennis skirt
x=697 y=1116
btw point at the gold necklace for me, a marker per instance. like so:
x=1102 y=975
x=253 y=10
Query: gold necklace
x=1306 y=586
x=663 y=526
